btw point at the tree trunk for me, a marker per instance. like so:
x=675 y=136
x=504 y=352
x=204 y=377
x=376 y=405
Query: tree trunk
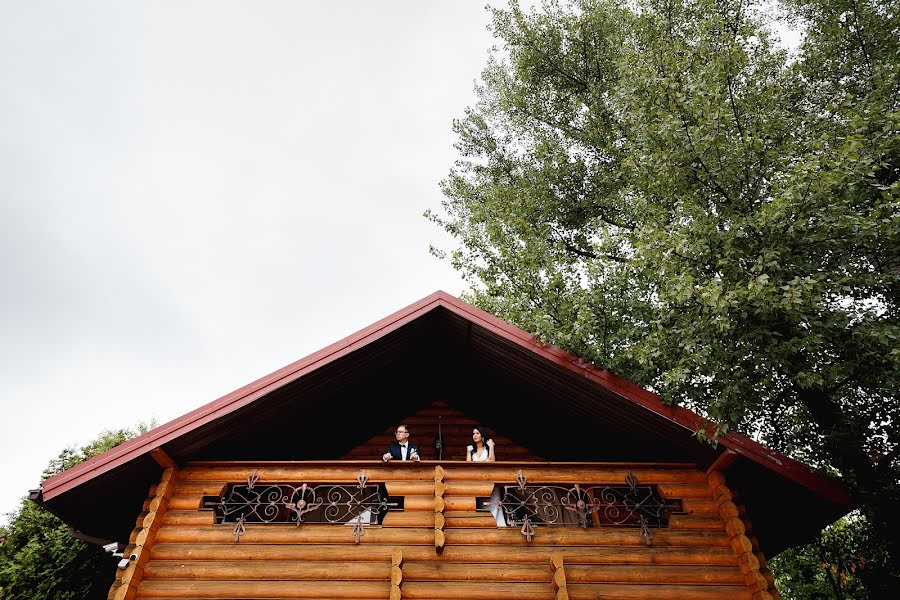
x=874 y=490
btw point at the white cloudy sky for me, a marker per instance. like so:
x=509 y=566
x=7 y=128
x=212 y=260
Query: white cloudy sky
x=193 y=194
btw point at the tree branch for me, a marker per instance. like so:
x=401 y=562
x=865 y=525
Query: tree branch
x=862 y=44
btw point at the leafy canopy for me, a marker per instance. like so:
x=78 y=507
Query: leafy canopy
x=659 y=187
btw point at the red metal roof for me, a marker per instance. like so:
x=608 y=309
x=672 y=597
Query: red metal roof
x=645 y=406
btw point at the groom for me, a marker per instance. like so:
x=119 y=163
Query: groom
x=402 y=449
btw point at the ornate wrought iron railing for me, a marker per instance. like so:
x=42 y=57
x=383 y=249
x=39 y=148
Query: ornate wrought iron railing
x=298 y=503
x=629 y=505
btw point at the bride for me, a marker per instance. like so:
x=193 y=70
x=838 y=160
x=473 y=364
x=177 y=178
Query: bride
x=482 y=448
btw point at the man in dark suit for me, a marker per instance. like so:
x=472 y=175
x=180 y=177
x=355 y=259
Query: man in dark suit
x=402 y=449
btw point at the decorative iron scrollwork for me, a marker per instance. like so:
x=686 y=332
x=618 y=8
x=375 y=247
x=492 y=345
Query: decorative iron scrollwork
x=521 y=480
x=298 y=503
x=629 y=505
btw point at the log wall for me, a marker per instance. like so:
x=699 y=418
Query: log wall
x=440 y=548
x=456 y=432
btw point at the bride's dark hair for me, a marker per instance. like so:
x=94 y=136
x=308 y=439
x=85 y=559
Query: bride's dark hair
x=484 y=440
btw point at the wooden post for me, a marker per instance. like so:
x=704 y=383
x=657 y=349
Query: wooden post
x=439 y=489
x=559 y=576
x=740 y=543
x=396 y=573
x=143 y=541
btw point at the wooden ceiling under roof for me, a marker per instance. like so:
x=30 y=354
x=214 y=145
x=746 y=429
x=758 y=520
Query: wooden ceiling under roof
x=455 y=430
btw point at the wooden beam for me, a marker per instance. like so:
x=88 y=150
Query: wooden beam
x=162 y=458
x=723 y=462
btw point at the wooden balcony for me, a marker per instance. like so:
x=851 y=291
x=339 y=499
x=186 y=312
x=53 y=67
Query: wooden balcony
x=441 y=546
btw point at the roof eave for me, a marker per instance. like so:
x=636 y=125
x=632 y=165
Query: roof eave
x=683 y=418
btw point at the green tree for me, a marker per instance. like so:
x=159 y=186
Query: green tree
x=39 y=560
x=659 y=187
x=833 y=564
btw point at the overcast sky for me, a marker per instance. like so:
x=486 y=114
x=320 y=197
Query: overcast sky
x=194 y=194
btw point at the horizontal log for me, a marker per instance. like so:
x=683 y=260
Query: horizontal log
x=575 y=536
x=454 y=451
x=446 y=571
x=181 y=502
x=716 y=478
x=748 y=562
x=341 y=534
x=471 y=520
x=459 y=503
x=698 y=506
x=735 y=527
x=708 y=522
x=280 y=473
x=414 y=503
x=463 y=513
x=186 y=588
x=544 y=473
x=321 y=463
x=189 y=517
x=741 y=544
x=416 y=518
x=660 y=575
x=271 y=569
x=640 y=555
x=466 y=590
x=201 y=488
x=681 y=491
x=339 y=471
x=583 y=591
x=469 y=488
x=728 y=510
x=451 y=458
x=455 y=455
x=410 y=488
x=293 y=534
x=722 y=493
x=451 y=446
x=656 y=575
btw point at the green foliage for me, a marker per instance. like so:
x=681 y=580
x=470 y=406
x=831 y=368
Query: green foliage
x=39 y=560
x=835 y=565
x=658 y=187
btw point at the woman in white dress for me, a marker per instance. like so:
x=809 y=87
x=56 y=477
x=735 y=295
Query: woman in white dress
x=482 y=448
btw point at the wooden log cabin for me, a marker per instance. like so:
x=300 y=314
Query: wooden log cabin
x=278 y=490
